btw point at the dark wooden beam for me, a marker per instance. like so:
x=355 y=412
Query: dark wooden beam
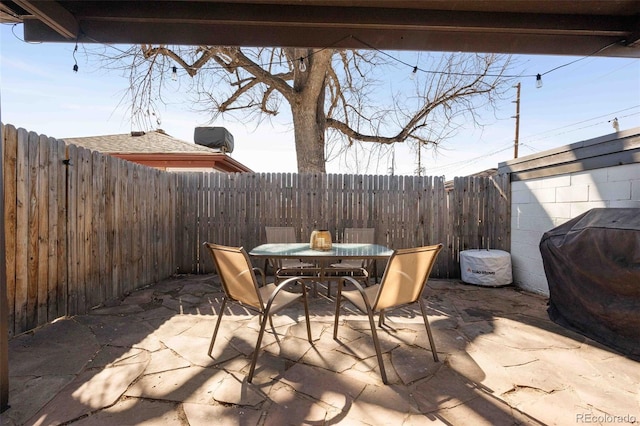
x=558 y=27
x=319 y=37
x=53 y=15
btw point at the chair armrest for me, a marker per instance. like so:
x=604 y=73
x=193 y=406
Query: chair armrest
x=264 y=276
x=359 y=288
x=282 y=285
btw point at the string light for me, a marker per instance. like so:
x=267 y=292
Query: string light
x=538 y=81
x=174 y=74
x=615 y=124
x=303 y=67
x=75 y=66
x=413 y=73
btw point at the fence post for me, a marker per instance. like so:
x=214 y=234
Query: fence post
x=4 y=317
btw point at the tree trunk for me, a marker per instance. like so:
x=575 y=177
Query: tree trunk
x=309 y=138
x=307 y=109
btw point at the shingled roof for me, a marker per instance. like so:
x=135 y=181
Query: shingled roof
x=157 y=149
x=154 y=142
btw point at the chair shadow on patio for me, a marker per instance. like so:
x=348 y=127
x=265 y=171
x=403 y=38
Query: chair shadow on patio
x=145 y=359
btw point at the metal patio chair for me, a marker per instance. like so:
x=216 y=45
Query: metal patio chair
x=357 y=235
x=402 y=284
x=241 y=286
x=360 y=269
x=285 y=268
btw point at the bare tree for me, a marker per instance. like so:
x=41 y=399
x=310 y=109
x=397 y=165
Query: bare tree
x=332 y=93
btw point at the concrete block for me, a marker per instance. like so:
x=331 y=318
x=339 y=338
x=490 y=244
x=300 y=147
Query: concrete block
x=625 y=172
x=527 y=237
x=534 y=283
x=522 y=250
x=529 y=210
x=530 y=279
x=590 y=176
x=544 y=195
x=523 y=213
x=635 y=189
x=624 y=203
x=527 y=184
x=560 y=220
x=570 y=194
x=520 y=186
x=557 y=210
x=514 y=222
x=518 y=246
x=522 y=196
x=538 y=223
x=620 y=190
x=579 y=208
x=555 y=181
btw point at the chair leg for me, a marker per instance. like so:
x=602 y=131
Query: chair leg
x=376 y=344
x=336 y=317
x=263 y=325
x=215 y=331
x=271 y=323
x=381 y=319
x=428 y=327
x=306 y=310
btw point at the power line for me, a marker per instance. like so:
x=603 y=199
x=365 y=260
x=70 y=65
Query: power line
x=474 y=160
x=528 y=138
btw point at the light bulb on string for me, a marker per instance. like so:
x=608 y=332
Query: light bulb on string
x=413 y=73
x=301 y=65
x=615 y=124
x=75 y=65
x=174 y=74
x=538 y=81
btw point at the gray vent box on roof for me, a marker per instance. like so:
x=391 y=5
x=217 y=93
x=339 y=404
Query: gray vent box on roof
x=214 y=137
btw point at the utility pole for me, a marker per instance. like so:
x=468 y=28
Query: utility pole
x=517 y=117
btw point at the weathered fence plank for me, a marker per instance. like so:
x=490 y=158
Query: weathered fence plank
x=10 y=203
x=22 y=231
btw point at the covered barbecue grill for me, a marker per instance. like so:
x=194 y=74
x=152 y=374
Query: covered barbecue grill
x=592 y=265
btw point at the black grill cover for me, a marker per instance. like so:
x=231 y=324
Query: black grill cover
x=592 y=264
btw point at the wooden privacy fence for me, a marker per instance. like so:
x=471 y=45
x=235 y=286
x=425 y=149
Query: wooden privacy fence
x=82 y=227
x=406 y=211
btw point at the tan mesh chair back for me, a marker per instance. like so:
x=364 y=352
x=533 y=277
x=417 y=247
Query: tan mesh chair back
x=280 y=234
x=404 y=279
x=405 y=276
x=359 y=235
x=235 y=271
x=241 y=286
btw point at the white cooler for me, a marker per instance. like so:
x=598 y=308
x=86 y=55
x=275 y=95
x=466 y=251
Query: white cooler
x=490 y=268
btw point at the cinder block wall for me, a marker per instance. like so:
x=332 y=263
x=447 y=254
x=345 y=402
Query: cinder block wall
x=551 y=187
x=543 y=203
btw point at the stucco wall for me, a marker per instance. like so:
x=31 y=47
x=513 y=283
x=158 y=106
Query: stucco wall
x=541 y=204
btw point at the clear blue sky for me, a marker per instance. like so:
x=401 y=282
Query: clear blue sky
x=40 y=92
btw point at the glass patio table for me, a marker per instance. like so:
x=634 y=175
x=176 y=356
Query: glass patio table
x=322 y=258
